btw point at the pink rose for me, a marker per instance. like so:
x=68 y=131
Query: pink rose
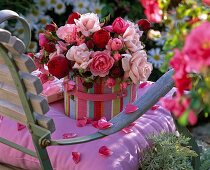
x=88 y=23
x=131 y=39
x=42 y=40
x=80 y=54
x=119 y=25
x=207 y=2
x=117 y=56
x=115 y=44
x=136 y=67
x=101 y=63
x=110 y=82
x=68 y=32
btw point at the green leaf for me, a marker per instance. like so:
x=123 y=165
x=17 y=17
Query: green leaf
x=183 y=120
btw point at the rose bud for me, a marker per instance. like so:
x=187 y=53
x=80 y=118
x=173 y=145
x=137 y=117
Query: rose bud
x=42 y=40
x=116 y=72
x=119 y=25
x=144 y=24
x=74 y=15
x=101 y=38
x=117 y=56
x=51 y=27
x=110 y=82
x=49 y=47
x=90 y=44
x=58 y=67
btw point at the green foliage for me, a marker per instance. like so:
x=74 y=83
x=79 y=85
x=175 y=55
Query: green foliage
x=205 y=158
x=168 y=152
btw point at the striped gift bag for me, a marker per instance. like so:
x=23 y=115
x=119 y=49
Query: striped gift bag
x=99 y=101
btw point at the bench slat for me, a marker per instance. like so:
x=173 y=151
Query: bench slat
x=16 y=113
x=15 y=45
x=9 y=93
x=4 y=36
x=23 y=62
x=32 y=83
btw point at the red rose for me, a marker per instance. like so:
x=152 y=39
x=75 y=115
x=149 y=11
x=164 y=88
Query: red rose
x=51 y=27
x=101 y=38
x=49 y=47
x=30 y=55
x=58 y=67
x=116 y=72
x=144 y=24
x=74 y=15
x=183 y=83
x=90 y=44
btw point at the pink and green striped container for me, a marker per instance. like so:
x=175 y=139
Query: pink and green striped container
x=80 y=108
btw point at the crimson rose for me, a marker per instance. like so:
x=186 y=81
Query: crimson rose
x=74 y=15
x=58 y=67
x=101 y=38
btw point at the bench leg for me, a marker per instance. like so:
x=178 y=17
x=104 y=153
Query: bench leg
x=42 y=155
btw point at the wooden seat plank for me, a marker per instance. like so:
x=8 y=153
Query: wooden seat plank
x=32 y=83
x=23 y=62
x=16 y=113
x=9 y=93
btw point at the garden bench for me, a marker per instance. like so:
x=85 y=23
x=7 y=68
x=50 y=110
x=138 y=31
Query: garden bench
x=20 y=100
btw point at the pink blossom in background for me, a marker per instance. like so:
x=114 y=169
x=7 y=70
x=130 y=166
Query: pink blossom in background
x=80 y=54
x=152 y=10
x=101 y=63
x=110 y=82
x=197 y=54
x=43 y=77
x=123 y=85
x=192 y=118
x=88 y=23
x=207 y=2
x=119 y=25
x=68 y=32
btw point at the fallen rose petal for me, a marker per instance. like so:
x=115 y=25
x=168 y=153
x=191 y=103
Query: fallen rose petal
x=20 y=126
x=104 y=151
x=154 y=107
x=132 y=124
x=129 y=108
x=127 y=130
x=142 y=85
x=69 y=135
x=81 y=122
x=103 y=124
x=76 y=157
x=95 y=124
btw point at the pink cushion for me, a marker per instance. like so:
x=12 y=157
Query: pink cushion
x=126 y=147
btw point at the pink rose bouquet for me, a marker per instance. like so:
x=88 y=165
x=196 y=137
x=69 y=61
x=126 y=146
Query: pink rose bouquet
x=91 y=50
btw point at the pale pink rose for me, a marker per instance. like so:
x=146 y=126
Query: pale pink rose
x=88 y=23
x=117 y=56
x=80 y=54
x=101 y=63
x=68 y=32
x=131 y=39
x=110 y=82
x=61 y=47
x=136 y=67
x=115 y=44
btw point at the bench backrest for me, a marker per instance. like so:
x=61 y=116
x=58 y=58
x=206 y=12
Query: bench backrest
x=12 y=105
